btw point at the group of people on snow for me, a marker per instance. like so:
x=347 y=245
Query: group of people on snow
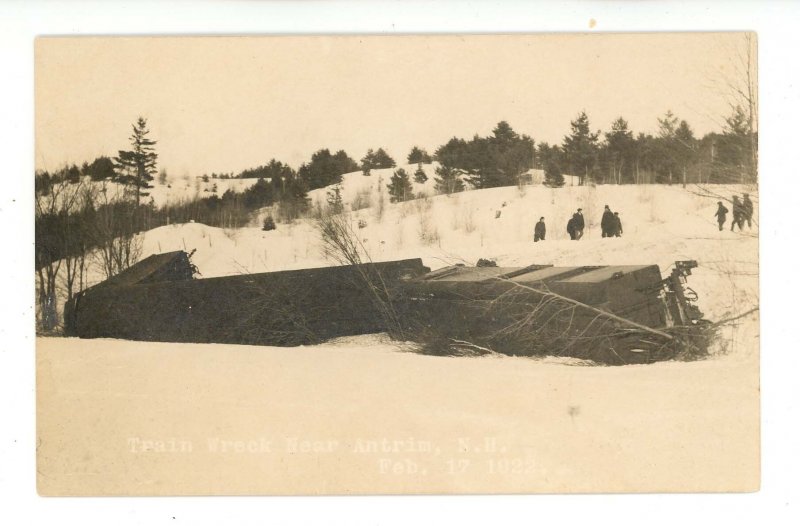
x=742 y=211
x=575 y=225
x=610 y=224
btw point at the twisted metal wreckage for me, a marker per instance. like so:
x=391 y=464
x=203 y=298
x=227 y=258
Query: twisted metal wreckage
x=610 y=314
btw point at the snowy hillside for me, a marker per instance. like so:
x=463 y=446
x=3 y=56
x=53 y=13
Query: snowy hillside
x=670 y=426
x=174 y=190
x=661 y=224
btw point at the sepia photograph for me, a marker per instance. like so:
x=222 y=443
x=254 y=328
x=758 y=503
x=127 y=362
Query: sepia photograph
x=407 y=264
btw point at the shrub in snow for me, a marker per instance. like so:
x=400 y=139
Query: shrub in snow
x=269 y=223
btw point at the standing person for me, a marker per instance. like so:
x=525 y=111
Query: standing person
x=721 y=214
x=539 y=230
x=571 y=227
x=617 y=229
x=607 y=223
x=737 y=213
x=579 y=223
x=747 y=209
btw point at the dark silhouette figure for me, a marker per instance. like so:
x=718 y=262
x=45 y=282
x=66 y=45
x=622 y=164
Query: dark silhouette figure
x=738 y=213
x=721 y=214
x=571 y=227
x=539 y=230
x=617 y=228
x=607 y=222
x=747 y=210
x=579 y=223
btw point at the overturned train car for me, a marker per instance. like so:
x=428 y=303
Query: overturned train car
x=158 y=299
x=610 y=314
x=617 y=314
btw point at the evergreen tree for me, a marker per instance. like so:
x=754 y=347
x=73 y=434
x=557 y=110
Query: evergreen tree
x=620 y=151
x=72 y=174
x=259 y=195
x=513 y=154
x=325 y=169
x=366 y=162
x=580 y=148
x=294 y=198
x=743 y=143
x=552 y=175
x=448 y=180
x=547 y=153
x=418 y=155
x=269 y=223
x=375 y=160
x=136 y=167
x=486 y=162
x=272 y=170
x=674 y=149
x=419 y=175
x=383 y=160
x=344 y=163
x=400 y=188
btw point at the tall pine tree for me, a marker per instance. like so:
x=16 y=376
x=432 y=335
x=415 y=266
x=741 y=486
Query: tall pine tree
x=580 y=148
x=620 y=151
x=135 y=168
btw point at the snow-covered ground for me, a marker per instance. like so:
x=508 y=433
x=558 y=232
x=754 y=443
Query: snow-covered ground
x=174 y=190
x=131 y=418
x=688 y=426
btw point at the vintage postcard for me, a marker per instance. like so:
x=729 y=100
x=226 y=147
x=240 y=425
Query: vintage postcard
x=421 y=264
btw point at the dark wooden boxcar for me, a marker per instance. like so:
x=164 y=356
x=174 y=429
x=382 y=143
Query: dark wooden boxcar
x=611 y=314
x=158 y=300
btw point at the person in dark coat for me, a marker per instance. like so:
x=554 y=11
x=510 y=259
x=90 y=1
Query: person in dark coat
x=617 y=228
x=571 y=227
x=579 y=223
x=747 y=210
x=607 y=222
x=539 y=231
x=737 y=213
x=721 y=214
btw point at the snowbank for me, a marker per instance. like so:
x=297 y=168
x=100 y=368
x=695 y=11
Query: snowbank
x=357 y=416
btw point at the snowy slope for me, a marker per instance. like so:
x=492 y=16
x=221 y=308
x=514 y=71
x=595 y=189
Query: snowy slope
x=174 y=190
x=661 y=224
x=673 y=426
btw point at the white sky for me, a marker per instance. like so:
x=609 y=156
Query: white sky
x=224 y=104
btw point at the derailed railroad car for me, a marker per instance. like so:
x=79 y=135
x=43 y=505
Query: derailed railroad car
x=614 y=314
x=158 y=299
